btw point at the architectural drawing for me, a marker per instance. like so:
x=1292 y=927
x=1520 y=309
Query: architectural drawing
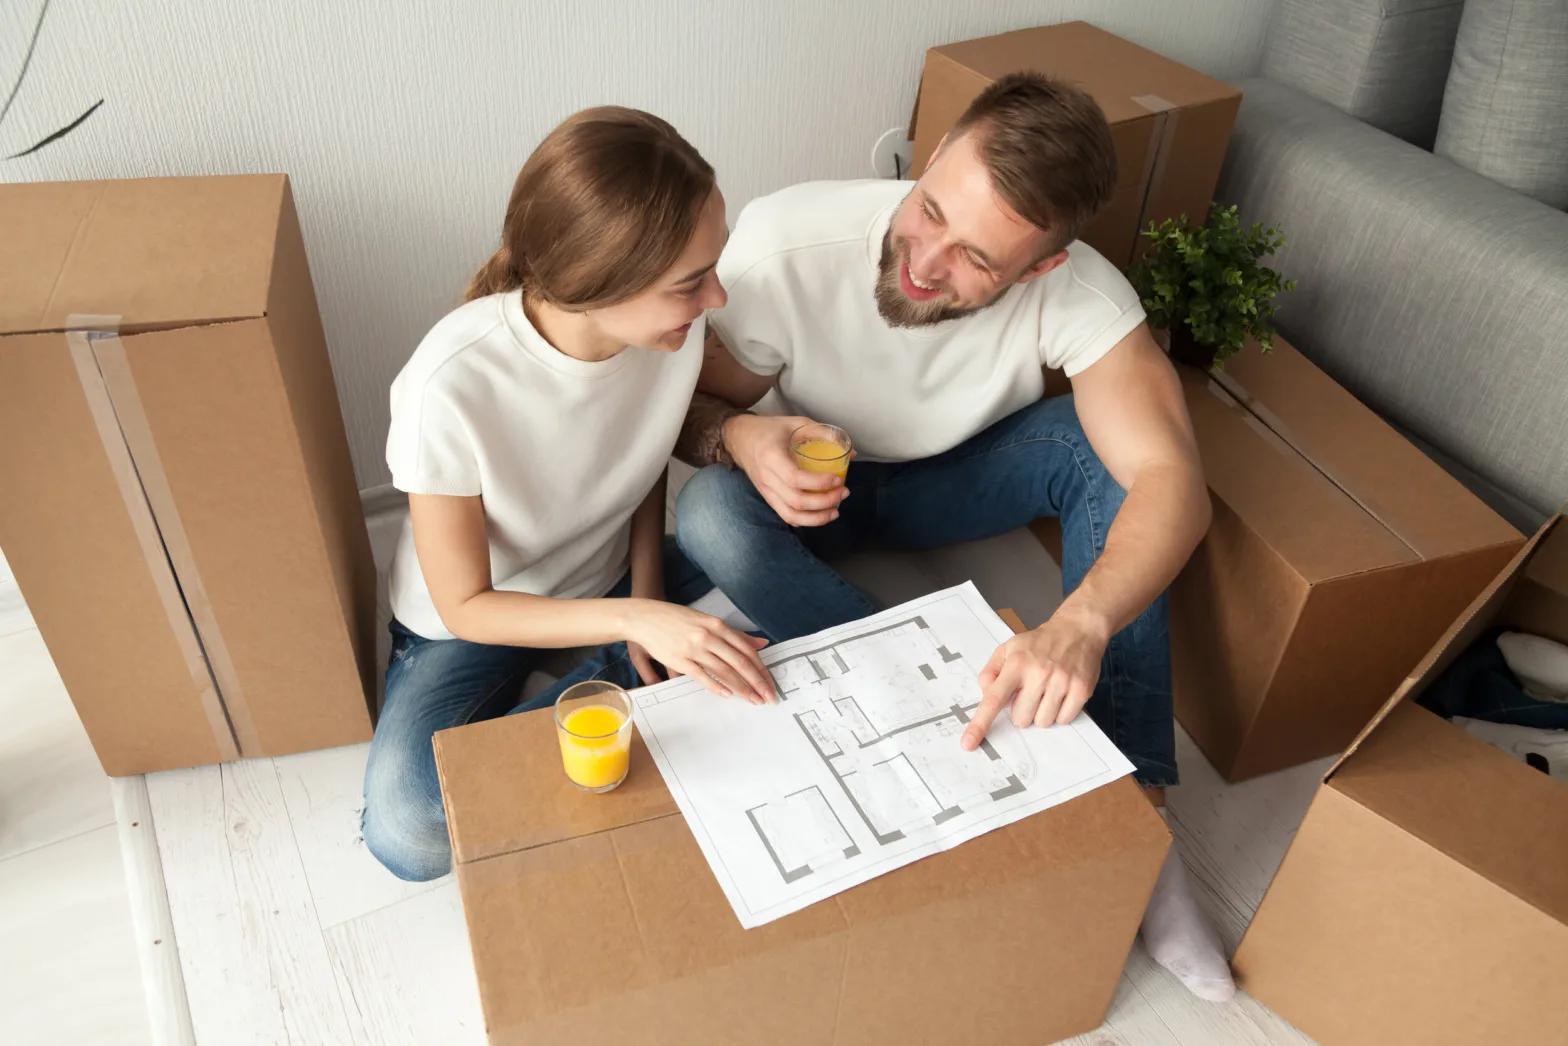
x=857 y=769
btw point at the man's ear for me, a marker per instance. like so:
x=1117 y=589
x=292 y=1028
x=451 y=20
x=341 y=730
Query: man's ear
x=1043 y=266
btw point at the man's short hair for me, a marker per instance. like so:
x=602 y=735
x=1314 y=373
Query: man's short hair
x=1048 y=149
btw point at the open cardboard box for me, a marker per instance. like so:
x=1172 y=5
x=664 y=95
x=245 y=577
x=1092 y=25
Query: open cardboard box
x=1170 y=124
x=596 y=917
x=1337 y=555
x=1424 y=899
x=176 y=495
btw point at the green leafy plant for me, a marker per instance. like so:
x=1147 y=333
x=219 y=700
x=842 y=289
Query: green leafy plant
x=1204 y=285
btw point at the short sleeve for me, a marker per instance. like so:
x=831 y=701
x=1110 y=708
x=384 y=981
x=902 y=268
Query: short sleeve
x=429 y=448
x=749 y=323
x=1096 y=310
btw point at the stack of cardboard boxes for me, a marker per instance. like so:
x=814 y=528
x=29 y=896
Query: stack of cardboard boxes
x=176 y=496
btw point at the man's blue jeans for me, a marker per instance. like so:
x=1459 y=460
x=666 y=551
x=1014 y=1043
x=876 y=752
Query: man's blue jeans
x=433 y=684
x=1036 y=462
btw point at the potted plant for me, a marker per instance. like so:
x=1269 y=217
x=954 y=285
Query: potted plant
x=1205 y=287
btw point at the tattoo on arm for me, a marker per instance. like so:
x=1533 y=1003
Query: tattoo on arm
x=701 y=440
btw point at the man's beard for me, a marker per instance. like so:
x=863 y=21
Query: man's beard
x=900 y=310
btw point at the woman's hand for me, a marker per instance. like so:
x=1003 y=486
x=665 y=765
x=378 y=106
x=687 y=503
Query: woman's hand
x=698 y=645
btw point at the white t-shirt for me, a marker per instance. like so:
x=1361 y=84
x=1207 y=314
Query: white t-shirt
x=562 y=451
x=801 y=269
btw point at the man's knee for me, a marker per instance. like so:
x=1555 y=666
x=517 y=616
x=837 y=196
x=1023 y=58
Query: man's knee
x=712 y=509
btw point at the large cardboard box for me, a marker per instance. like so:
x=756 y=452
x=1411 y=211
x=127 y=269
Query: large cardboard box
x=1171 y=124
x=1424 y=899
x=176 y=495
x=596 y=918
x=1337 y=555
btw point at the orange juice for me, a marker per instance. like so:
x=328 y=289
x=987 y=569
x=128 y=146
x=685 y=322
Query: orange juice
x=822 y=455
x=594 y=748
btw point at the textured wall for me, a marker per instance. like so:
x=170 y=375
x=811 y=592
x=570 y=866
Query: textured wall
x=402 y=124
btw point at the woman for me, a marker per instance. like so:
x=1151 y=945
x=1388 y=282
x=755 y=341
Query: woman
x=531 y=430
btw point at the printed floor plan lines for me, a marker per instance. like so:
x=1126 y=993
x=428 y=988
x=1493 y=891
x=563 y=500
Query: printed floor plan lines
x=801 y=832
x=857 y=769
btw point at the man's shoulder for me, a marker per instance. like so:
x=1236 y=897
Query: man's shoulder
x=804 y=217
x=1088 y=280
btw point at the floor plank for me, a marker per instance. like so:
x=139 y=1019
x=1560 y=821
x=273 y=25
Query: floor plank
x=51 y=784
x=251 y=948
x=407 y=974
x=323 y=794
x=68 y=967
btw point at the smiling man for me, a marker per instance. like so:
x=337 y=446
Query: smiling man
x=918 y=320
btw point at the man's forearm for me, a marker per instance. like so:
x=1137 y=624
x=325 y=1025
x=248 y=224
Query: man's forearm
x=1163 y=518
x=701 y=440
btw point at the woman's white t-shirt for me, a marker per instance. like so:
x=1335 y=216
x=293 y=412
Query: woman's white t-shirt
x=801 y=270
x=561 y=450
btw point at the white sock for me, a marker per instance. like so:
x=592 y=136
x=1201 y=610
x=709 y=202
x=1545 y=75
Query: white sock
x=1179 y=937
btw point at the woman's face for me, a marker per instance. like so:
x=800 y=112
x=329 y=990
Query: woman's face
x=660 y=317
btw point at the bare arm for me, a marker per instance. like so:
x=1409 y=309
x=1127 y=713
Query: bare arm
x=454 y=557
x=1131 y=407
x=647 y=544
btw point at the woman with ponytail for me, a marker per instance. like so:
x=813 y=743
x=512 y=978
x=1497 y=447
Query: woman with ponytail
x=531 y=430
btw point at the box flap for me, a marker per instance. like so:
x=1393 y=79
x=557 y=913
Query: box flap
x=157 y=252
x=523 y=799
x=1116 y=72
x=1400 y=487
x=1476 y=619
x=1506 y=821
x=1319 y=530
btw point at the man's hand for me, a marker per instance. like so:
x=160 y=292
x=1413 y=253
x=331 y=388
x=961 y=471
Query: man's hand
x=1047 y=674
x=760 y=446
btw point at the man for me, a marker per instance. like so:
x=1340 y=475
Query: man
x=918 y=320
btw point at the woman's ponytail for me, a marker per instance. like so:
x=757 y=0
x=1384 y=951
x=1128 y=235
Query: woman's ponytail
x=494 y=276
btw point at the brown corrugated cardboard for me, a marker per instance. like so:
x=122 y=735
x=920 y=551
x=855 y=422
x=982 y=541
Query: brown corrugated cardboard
x=597 y=917
x=1337 y=554
x=1171 y=124
x=1423 y=900
x=178 y=502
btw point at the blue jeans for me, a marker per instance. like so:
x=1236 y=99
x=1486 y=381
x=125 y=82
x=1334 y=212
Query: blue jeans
x=433 y=684
x=1036 y=462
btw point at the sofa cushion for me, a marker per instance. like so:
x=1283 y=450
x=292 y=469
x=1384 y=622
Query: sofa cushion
x=1436 y=296
x=1382 y=61
x=1505 y=113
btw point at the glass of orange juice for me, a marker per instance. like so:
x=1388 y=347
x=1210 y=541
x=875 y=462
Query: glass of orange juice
x=821 y=448
x=593 y=721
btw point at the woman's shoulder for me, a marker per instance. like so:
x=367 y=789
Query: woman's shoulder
x=472 y=325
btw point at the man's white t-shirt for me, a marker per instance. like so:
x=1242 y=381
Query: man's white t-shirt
x=561 y=450
x=801 y=270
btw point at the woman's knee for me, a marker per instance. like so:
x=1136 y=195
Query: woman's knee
x=404 y=824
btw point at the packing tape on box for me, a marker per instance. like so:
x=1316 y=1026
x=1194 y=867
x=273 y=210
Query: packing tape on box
x=126 y=435
x=1161 y=139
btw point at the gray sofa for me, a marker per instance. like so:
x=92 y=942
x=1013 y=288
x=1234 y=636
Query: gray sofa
x=1435 y=294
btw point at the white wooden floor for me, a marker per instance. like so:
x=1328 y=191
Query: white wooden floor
x=288 y=932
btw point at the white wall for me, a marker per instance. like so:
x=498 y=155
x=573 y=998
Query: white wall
x=403 y=124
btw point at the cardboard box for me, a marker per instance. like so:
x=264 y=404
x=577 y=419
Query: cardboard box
x=176 y=495
x=1337 y=555
x=1424 y=899
x=596 y=918
x=1171 y=124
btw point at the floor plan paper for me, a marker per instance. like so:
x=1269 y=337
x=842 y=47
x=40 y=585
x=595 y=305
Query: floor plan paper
x=857 y=770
